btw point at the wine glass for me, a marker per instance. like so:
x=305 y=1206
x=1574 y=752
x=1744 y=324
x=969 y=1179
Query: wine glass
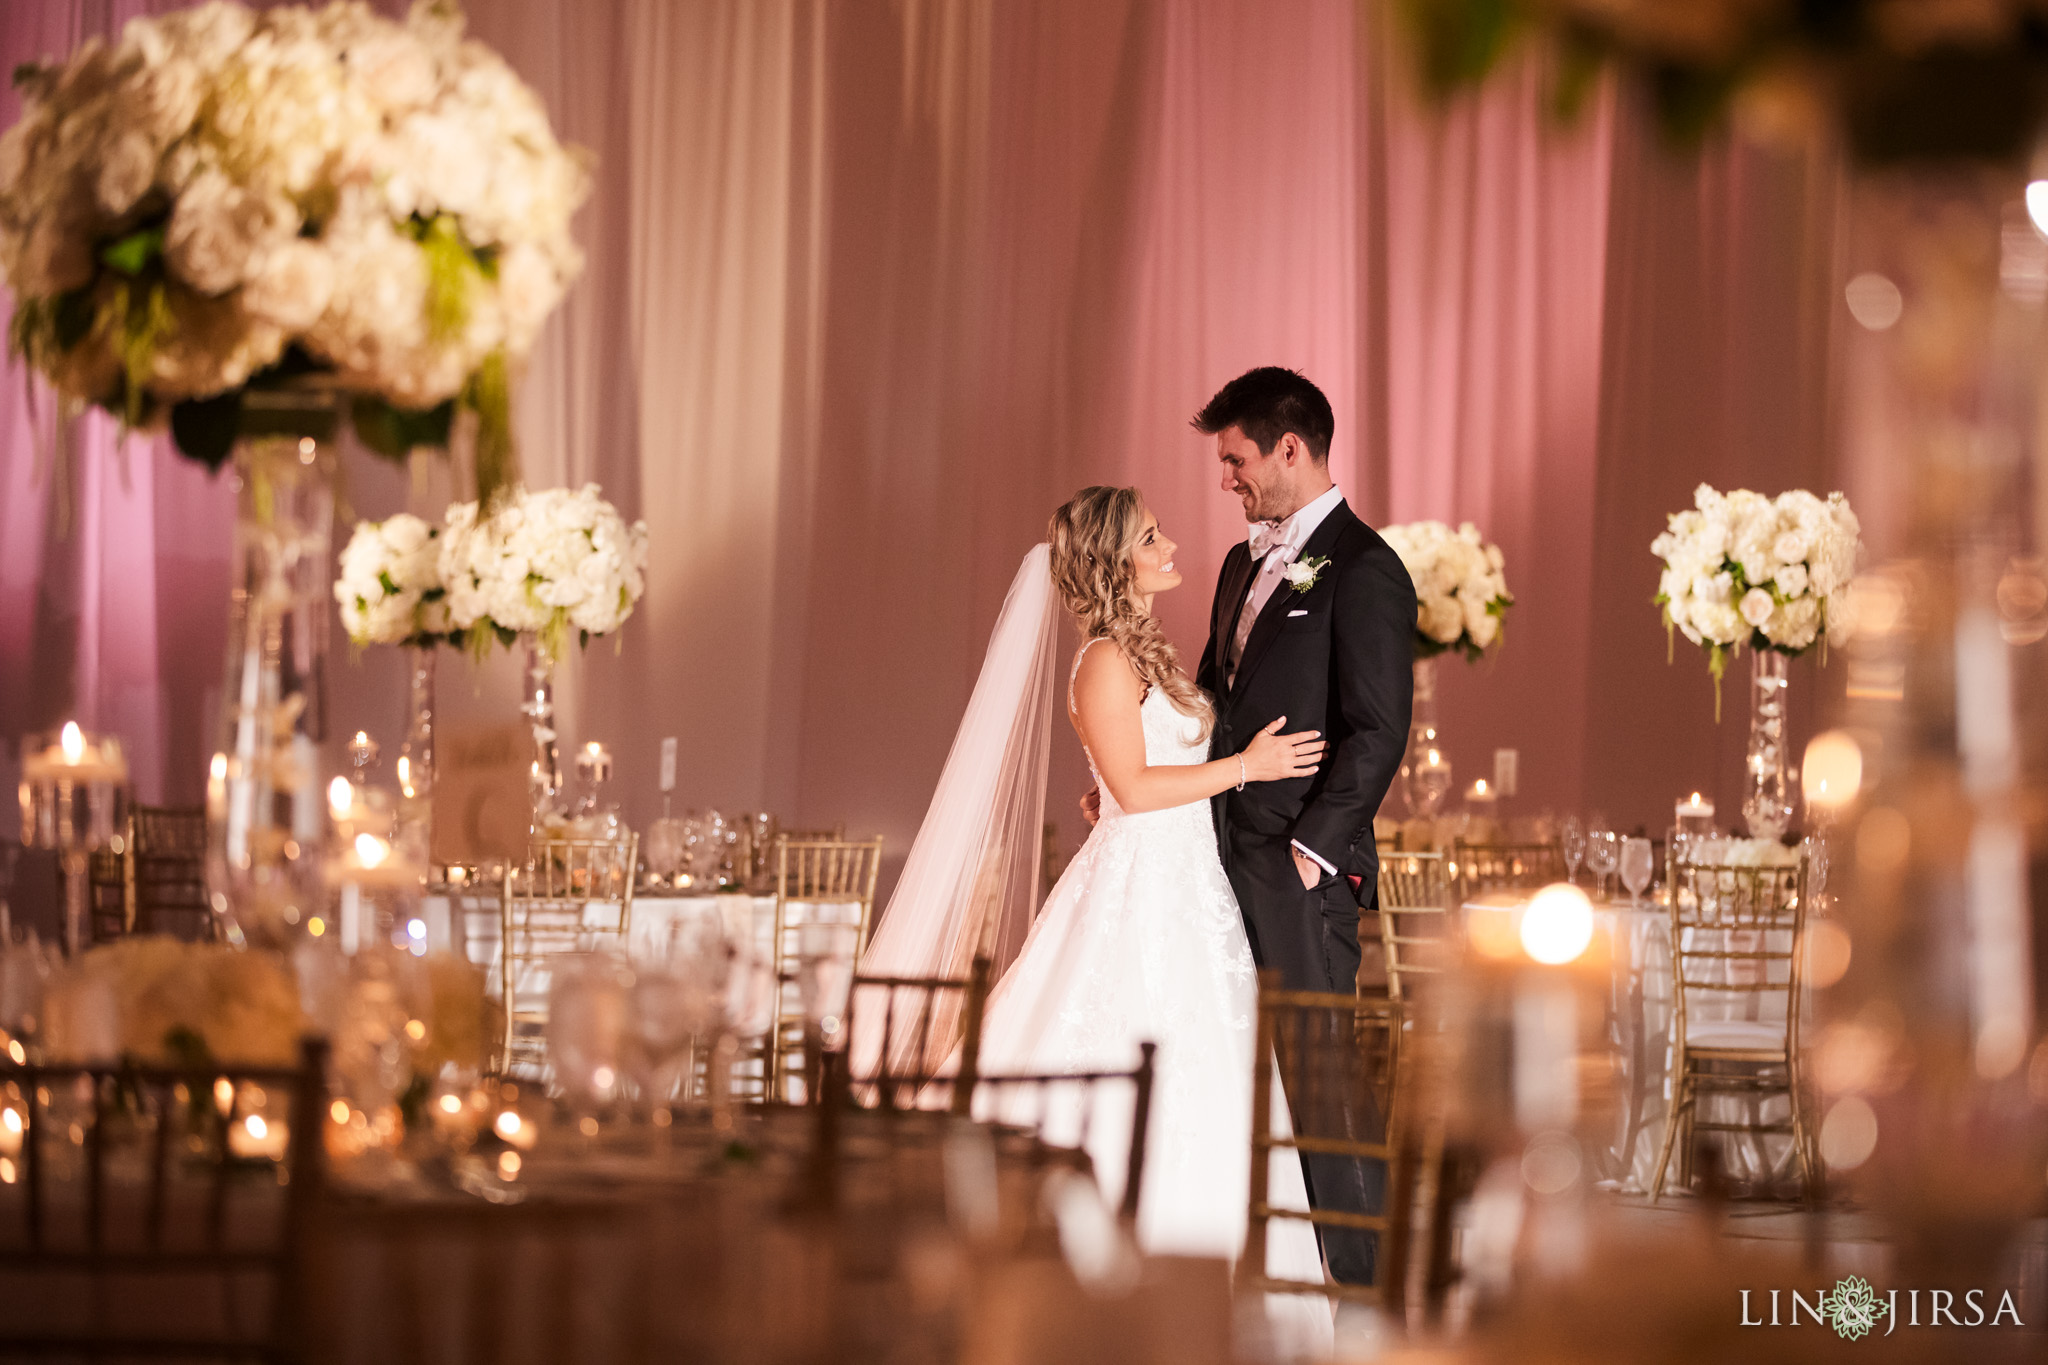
x=1574 y=840
x=1603 y=855
x=1636 y=869
x=1432 y=782
x=589 y=1003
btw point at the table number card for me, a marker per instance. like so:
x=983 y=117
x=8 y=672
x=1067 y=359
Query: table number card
x=482 y=806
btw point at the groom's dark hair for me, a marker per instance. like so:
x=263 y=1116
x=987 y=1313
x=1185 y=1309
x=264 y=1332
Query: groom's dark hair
x=1267 y=403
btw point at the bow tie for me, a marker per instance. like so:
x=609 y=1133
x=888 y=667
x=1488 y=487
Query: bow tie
x=1266 y=538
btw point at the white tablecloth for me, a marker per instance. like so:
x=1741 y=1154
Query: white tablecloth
x=1639 y=1027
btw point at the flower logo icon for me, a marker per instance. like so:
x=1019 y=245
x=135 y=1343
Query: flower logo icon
x=1853 y=1308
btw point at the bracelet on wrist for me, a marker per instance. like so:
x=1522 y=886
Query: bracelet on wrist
x=1240 y=772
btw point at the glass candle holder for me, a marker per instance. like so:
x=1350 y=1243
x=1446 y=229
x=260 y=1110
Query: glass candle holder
x=74 y=799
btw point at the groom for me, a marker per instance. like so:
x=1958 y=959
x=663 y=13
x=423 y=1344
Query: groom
x=1314 y=620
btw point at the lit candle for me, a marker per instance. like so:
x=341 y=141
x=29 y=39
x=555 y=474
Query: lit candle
x=595 y=763
x=1832 y=773
x=253 y=1136
x=1481 y=794
x=76 y=757
x=1695 y=815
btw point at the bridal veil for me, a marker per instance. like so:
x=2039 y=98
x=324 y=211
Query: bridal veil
x=970 y=884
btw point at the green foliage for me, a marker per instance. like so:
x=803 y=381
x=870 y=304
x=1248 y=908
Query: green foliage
x=489 y=395
x=71 y=317
x=204 y=428
x=394 y=432
x=136 y=252
x=452 y=274
x=1979 y=97
x=1458 y=42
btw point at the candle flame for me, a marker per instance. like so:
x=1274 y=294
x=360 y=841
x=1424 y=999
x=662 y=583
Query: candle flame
x=72 y=742
x=1558 y=925
x=371 y=851
x=218 y=769
x=593 y=748
x=256 y=1126
x=341 y=797
x=1479 y=787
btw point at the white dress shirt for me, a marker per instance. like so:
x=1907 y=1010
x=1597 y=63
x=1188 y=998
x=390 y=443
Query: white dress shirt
x=1279 y=544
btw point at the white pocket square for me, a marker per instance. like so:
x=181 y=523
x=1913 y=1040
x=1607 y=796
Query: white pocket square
x=1302 y=612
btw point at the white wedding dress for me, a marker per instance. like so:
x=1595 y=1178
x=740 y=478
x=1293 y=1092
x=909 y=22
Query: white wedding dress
x=1141 y=941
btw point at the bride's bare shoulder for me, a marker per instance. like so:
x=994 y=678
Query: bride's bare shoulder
x=1103 y=676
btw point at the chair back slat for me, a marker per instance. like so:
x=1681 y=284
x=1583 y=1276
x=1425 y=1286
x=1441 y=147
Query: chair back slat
x=556 y=901
x=1417 y=919
x=85 y=1224
x=1735 y=937
x=1480 y=867
x=164 y=873
x=940 y=1020
x=816 y=881
x=1336 y=1057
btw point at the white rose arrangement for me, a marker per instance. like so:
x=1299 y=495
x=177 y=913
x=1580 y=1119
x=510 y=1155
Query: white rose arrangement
x=1461 y=592
x=156 y=1000
x=224 y=199
x=390 y=587
x=1741 y=568
x=542 y=563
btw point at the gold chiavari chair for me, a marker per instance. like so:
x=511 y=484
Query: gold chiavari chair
x=558 y=900
x=106 y=895
x=137 y=1221
x=922 y=1020
x=166 y=872
x=1336 y=1059
x=817 y=881
x=835 y=835
x=1057 y=1111
x=1486 y=867
x=1735 y=943
x=1416 y=920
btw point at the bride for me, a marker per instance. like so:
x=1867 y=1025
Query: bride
x=1141 y=939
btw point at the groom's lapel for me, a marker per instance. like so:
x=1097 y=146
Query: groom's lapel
x=1277 y=606
x=1230 y=604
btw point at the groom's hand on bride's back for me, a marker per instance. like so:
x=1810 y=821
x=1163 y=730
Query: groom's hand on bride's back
x=1091 y=806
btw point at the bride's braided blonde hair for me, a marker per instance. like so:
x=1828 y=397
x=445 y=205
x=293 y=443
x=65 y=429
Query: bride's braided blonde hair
x=1092 y=538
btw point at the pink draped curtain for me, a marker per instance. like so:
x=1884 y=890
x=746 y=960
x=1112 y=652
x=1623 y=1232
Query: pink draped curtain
x=875 y=284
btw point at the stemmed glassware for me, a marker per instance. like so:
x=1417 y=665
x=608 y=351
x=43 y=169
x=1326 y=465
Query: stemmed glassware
x=589 y=1003
x=1637 y=869
x=1573 y=837
x=1603 y=855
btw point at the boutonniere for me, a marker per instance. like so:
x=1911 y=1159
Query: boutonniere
x=1303 y=573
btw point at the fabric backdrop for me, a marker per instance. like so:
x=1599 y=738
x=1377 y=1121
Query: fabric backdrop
x=873 y=285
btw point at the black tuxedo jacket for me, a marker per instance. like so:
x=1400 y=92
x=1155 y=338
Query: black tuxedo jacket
x=1336 y=657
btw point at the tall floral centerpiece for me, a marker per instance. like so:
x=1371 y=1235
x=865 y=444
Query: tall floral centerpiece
x=390 y=593
x=540 y=567
x=1771 y=573
x=251 y=228
x=1936 y=112
x=1461 y=598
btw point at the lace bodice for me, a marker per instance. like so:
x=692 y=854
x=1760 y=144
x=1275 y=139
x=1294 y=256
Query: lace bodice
x=1171 y=739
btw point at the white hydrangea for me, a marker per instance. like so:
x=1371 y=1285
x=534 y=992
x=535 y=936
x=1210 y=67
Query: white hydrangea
x=544 y=563
x=295 y=162
x=1460 y=590
x=1740 y=568
x=389 y=586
